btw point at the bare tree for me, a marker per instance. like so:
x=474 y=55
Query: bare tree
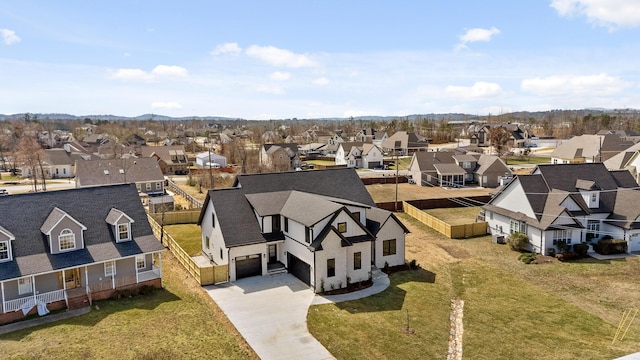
x=499 y=138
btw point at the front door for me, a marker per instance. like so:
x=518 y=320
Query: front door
x=273 y=255
x=72 y=278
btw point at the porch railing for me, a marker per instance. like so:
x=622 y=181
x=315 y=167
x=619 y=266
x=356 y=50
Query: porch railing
x=48 y=297
x=149 y=275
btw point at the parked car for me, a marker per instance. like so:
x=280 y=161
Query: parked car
x=3 y=192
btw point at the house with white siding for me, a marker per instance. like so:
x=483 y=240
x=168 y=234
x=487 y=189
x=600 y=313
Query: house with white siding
x=569 y=203
x=322 y=226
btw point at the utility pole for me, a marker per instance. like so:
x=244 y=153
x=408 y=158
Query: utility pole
x=210 y=173
x=397 y=173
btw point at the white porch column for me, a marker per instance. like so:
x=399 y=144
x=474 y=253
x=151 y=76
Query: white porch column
x=113 y=276
x=160 y=263
x=86 y=277
x=135 y=266
x=33 y=288
x=2 y=289
x=64 y=281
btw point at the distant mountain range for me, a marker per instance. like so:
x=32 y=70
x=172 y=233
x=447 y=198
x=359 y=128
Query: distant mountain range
x=448 y=116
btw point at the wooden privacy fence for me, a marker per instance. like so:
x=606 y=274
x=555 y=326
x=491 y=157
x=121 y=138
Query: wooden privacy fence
x=451 y=231
x=193 y=202
x=205 y=274
x=177 y=217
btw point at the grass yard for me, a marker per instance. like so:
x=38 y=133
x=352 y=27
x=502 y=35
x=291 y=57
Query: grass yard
x=512 y=310
x=521 y=160
x=456 y=216
x=188 y=236
x=179 y=322
x=387 y=192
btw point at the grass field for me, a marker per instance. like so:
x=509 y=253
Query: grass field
x=179 y=322
x=188 y=236
x=512 y=310
x=387 y=192
x=518 y=160
x=456 y=216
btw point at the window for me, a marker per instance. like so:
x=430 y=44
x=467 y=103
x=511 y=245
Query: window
x=206 y=241
x=357 y=260
x=561 y=236
x=64 y=171
x=307 y=234
x=148 y=186
x=141 y=262
x=490 y=215
x=593 y=227
x=138 y=187
x=389 y=247
x=331 y=267
x=110 y=268
x=275 y=223
x=356 y=215
x=213 y=219
x=523 y=228
x=286 y=224
x=158 y=186
x=466 y=164
x=221 y=254
x=67 y=240
x=514 y=227
x=4 y=250
x=123 y=232
x=342 y=227
x=594 y=197
x=24 y=286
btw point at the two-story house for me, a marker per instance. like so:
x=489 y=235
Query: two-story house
x=359 y=155
x=64 y=249
x=172 y=158
x=280 y=157
x=569 y=203
x=144 y=172
x=322 y=226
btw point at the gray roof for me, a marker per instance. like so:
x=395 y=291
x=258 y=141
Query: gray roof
x=405 y=140
x=24 y=214
x=621 y=160
x=591 y=147
x=550 y=185
x=171 y=154
x=449 y=169
x=62 y=157
x=117 y=171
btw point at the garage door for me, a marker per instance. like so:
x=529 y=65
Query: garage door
x=634 y=243
x=248 y=266
x=299 y=269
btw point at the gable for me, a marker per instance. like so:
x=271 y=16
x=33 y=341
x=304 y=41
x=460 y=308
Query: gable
x=514 y=198
x=564 y=219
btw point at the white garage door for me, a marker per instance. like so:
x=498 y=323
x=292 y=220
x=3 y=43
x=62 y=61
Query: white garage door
x=634 y=243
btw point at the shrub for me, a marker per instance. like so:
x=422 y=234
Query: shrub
x=413 y=265
x=567 y=256
x=528 y=258
x=581 y=249
x=563 y=247
x=607 y=246
x=551 y=252
x=518 y=241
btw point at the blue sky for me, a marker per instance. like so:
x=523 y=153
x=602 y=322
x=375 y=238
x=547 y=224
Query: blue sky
x=313 y=59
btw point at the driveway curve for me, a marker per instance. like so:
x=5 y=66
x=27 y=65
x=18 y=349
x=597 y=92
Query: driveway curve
x=271 y=314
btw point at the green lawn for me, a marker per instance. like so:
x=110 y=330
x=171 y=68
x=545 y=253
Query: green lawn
x=188 y=236
x=179 y=322
x=512 y=310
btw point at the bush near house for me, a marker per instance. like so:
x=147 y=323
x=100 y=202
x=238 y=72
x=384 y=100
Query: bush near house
x=610 y=246
x=518 y=241
x=581 y=249
x=528 y=258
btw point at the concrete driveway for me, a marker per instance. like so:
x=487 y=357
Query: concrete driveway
x=271 y=314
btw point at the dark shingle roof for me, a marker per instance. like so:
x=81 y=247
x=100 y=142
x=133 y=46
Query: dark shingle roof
x=117 y=171
x=24 y=214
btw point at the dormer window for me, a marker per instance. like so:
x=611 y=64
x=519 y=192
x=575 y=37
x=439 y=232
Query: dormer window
x=4 y=251
x=67 y=240
x=124 y=232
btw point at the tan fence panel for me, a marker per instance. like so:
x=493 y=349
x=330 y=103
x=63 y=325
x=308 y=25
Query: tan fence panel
x=451 y=231
x=177 y=217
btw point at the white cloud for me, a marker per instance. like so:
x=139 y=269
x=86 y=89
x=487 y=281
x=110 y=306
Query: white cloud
x=280 y=76
x=321 y=81
x=275 y=90
x=279 y=57
x=607 y=13
x=601 y=84
x=227 y=48
x=141 y=75
x=166 y=105
x=131 y=74
x=169 y=70
x=478 y=90
x=477 y=34
x=9 y=37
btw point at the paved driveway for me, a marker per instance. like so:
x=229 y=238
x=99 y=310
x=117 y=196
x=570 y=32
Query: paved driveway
x=271 y=314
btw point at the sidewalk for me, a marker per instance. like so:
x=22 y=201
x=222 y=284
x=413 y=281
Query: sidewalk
x=4 y=329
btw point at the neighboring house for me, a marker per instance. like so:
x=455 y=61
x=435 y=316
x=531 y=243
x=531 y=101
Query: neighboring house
x=366 y=135
x=322 y=226
x=589 y=149
x=404 y=143
x=453 y=168
x=144 y=172
x=63 y=249
x=359 y=155
x=481 y=135
x=569 y=203
x=280 y=157
x=628 y=159
x=209 y=158
x=172 y=159
x=114 y=150
x=58 y=163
